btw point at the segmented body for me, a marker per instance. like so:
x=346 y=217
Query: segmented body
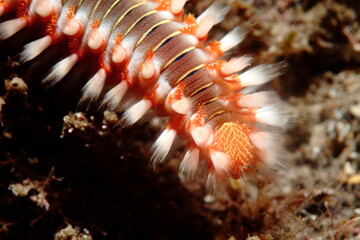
x=163 y=58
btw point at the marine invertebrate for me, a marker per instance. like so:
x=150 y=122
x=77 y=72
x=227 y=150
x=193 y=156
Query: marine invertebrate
x=152 y=52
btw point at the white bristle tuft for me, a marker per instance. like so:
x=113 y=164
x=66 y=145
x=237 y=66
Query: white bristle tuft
x=35 y=48
x=95 y=39
x=162 y=146
x=216 y=11
x=44 y=8
x=135 y=112
x=115 y=95
x=270 y=115
x=118 y=54
x=62 y=68
x=259 y=75
x=182 y=106
x=220 y=161
x=201 y=135
x=72 y=27
x=216 y=185
x=148 y=69
x=261 y=140
x=258 y=99
x=265 y=143
x=211 y=16
x=235 y=65
x=57 y=5
x=177 y=6
x=190 y=162
x=232 y=39
x=9 y=28
x=94 y=86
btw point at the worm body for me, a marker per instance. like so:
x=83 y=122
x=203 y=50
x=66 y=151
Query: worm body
x=163 y=58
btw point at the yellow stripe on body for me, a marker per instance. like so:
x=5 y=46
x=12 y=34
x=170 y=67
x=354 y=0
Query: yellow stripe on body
x=150 y=29
x=95 y=8
x=168 y=63
x=201 y=88
x=109 y=10
x=126 y=12
x=215 y=114
x=165 y=39
x=211 y=100
x=138 y=20
x=79 y=4
x=182 y=77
